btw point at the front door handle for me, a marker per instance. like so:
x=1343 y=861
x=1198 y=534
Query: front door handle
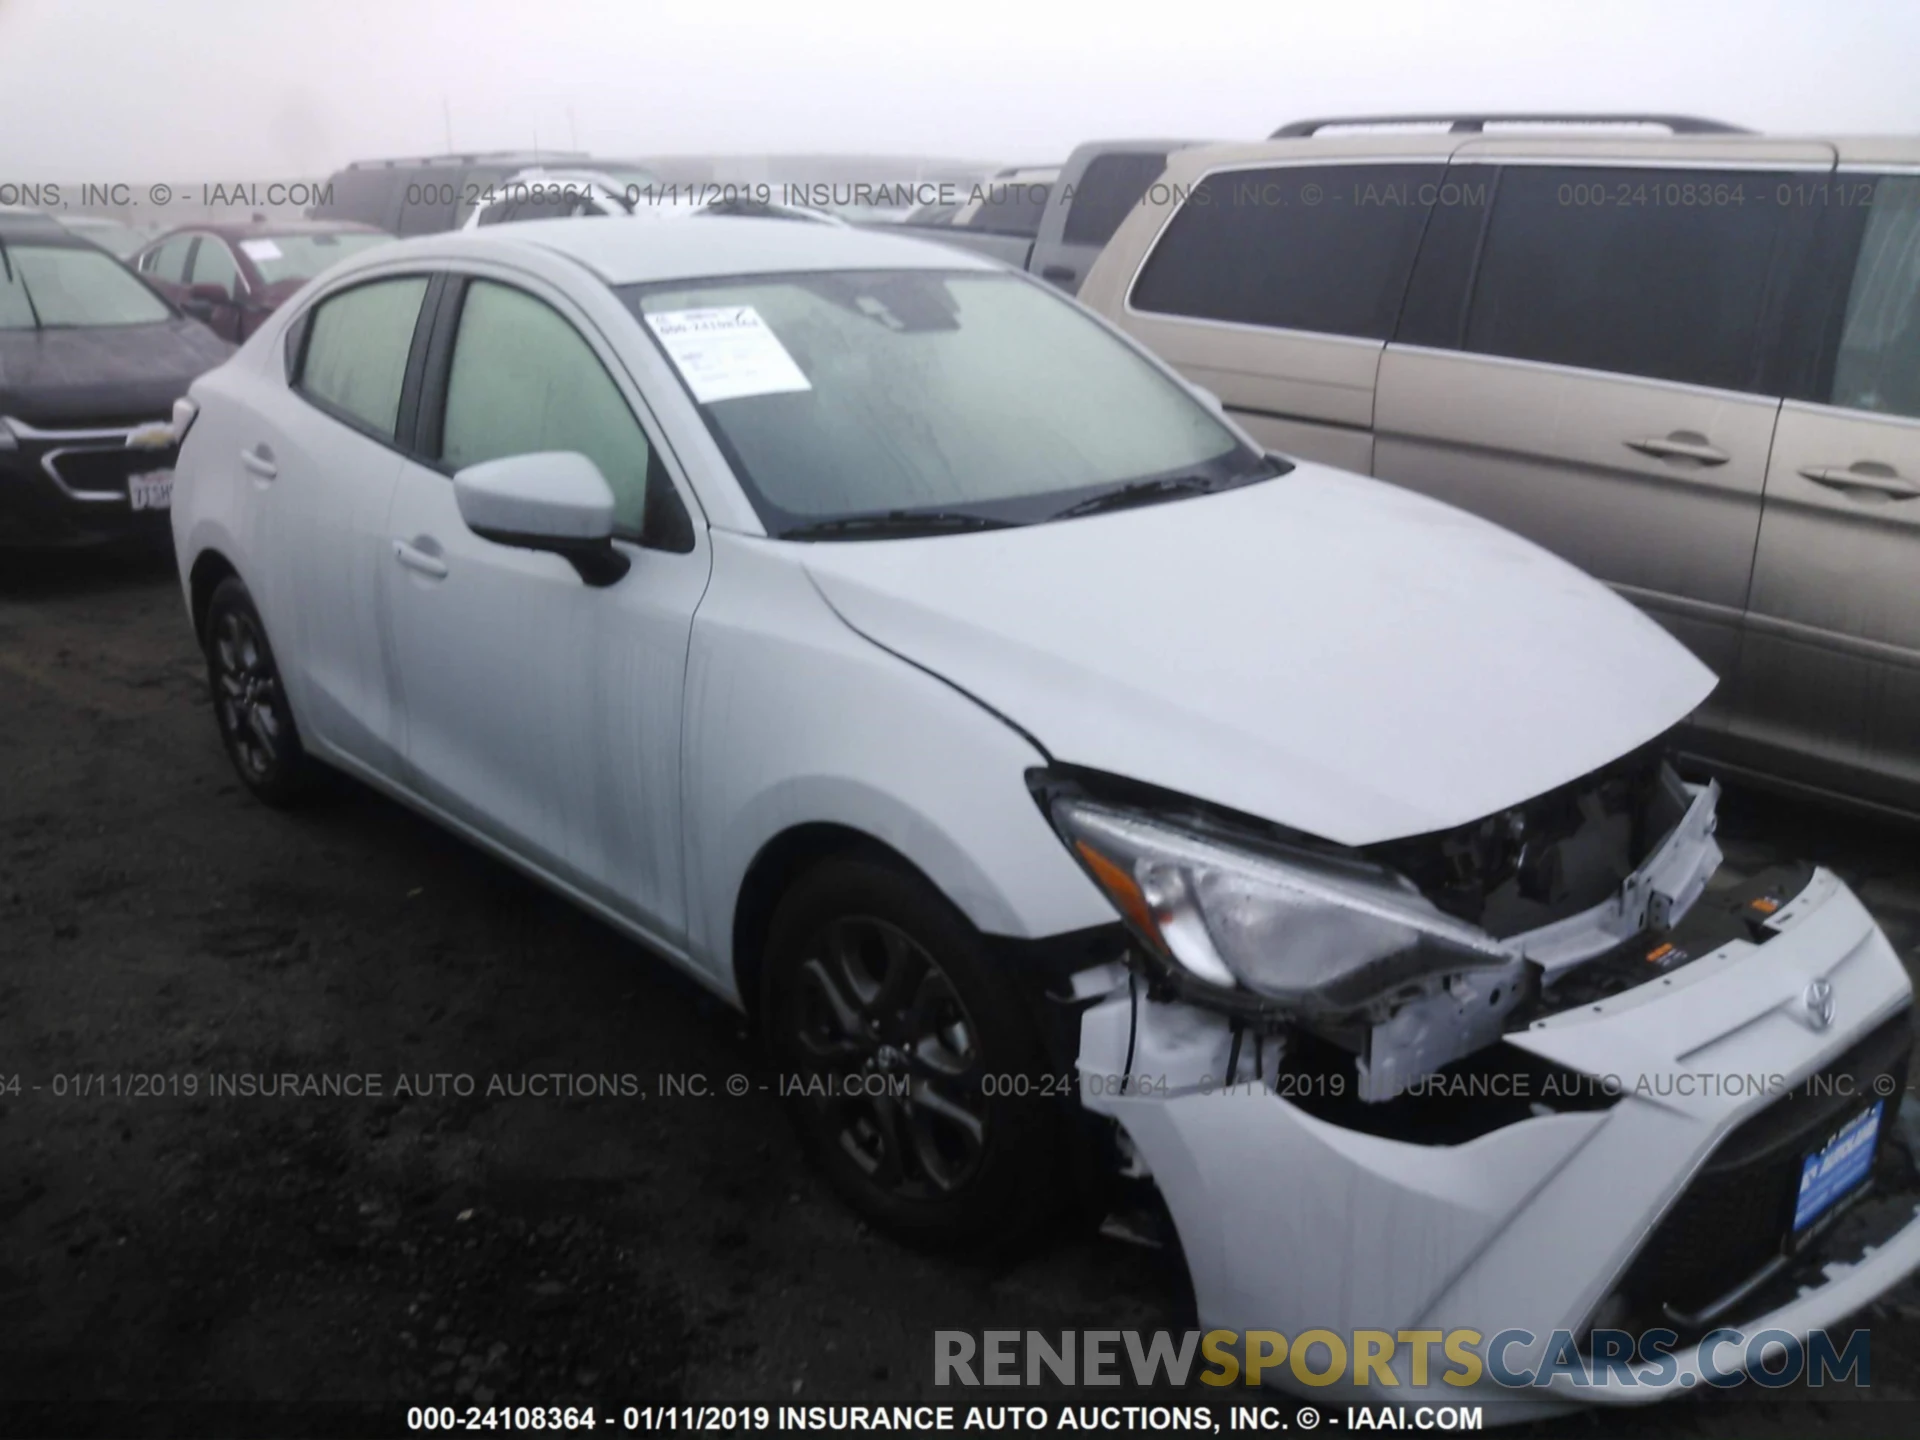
x=419 y=561
x=1869 y=475
x=259 y=461
x=1681 y=445
x=1059 y=274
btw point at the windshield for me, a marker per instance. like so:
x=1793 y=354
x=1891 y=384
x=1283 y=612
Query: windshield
x=68 y=286
x=864 y=393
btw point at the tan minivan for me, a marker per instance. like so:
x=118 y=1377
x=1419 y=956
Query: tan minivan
x=1685 y=357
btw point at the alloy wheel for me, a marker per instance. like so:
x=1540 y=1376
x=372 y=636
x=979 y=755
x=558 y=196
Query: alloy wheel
x=247 y=691
x=894 y=1056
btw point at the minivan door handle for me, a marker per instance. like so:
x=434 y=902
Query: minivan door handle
x=1681 y=445
x=419 y=561
x=259 y=461
x=1868 y=475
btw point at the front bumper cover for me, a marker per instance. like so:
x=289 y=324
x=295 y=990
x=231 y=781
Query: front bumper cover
x=1294 y=1223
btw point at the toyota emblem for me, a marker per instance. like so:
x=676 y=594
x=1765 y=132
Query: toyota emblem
x=1819 y=1001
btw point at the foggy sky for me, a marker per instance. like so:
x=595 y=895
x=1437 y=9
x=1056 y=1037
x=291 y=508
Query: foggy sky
x=110 y=90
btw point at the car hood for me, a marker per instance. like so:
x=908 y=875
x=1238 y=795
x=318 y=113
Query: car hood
x=1322 y=650
x=113 y=373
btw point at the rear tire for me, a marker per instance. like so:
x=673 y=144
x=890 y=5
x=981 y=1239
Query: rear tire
x=250 y=701
x=874 y=982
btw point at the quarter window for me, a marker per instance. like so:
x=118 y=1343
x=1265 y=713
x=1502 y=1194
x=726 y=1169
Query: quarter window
x=1301 y=247
x=1650 y=272
x=1111 y=186
x=1878 y=367
x=356 y=351
x=523 y=380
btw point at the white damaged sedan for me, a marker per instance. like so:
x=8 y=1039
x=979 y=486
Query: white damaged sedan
x=1068 y=788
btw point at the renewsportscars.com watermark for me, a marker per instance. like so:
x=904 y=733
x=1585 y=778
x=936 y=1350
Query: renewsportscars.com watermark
x=1388 y=1358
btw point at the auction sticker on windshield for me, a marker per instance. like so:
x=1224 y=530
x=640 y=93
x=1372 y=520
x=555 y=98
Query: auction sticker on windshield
x=150 y=491
x=261 y=249
x=727 y=353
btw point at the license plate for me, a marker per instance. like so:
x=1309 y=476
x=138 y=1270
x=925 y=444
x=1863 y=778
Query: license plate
x=1839 y=1167
x=151 y=491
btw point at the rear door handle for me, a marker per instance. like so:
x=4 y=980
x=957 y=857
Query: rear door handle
x=1863 y=475
x=419 y=561
x=1681 y=445
x=259 y=461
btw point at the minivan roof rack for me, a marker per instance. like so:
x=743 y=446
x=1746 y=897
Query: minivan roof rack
x=1474 y=124
x=498 y=157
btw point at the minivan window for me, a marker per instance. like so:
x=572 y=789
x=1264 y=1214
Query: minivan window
x=1878 y=367
x=864 y=392
x=72 y=287
x=1110 y=188
x=1326 y=248
x=1650 y=272
x=524 y=381
x=356 y=350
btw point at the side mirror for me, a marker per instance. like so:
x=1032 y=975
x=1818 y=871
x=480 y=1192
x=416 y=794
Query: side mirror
x=554 y=500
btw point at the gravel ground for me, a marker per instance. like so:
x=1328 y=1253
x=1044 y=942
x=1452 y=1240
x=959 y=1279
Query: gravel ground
x=182 y=1252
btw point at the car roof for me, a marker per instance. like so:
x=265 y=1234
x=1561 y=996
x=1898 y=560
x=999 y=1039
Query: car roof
x=20 y=224
x=709 y=247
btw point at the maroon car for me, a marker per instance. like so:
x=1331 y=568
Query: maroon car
x=233 y=275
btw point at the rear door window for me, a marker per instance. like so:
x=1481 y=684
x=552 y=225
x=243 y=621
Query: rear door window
x=1325 y=248
x=355 y=358
x=1110 y=188
x=1660 y=273
x=1878 y=367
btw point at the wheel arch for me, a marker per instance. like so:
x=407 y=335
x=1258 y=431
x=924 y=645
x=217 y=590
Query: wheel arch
x=210 y=567
x=775 y=869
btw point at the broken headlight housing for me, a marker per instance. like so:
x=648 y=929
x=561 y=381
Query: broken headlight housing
x=1319 y=937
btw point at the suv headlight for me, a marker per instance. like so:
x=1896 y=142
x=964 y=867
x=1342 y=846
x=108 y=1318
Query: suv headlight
x=1320 y=935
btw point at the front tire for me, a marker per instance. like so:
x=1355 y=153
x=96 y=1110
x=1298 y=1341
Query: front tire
x=250 y=701
x=912 y=1065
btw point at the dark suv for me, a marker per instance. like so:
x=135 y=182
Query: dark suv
x=427 y=193
x=91 y=361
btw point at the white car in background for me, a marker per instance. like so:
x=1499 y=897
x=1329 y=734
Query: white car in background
x=564 y=194
x=929 y=671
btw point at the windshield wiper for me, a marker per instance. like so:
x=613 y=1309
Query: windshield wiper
x=1141 y=492
x=896 y=522
x=1164 y=487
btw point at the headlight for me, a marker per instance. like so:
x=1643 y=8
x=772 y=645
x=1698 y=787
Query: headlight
x=1320 y=935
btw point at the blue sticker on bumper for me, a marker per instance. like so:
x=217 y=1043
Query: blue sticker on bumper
x=1837 y=1167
